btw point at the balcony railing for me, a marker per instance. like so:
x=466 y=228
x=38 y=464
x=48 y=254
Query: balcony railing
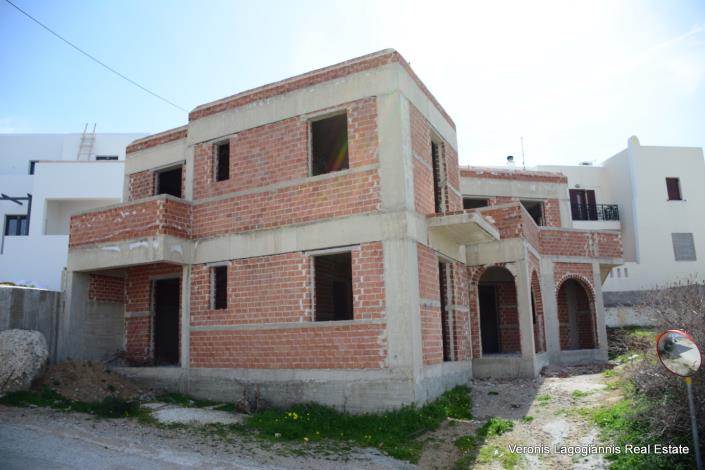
x=607 y=212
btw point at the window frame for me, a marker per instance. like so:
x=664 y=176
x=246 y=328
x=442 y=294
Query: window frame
x=321 y=117
x=314 y=295
x=17 y=217
x=678 y=189
x=166 y=169
x=214 y=270
x=216 y=160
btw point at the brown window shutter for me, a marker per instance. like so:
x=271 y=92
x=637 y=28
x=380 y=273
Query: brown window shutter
x=674 y=190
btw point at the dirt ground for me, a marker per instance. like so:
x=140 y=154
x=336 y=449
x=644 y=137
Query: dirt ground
x=552 y=402
x=544 y=411
x=88 y=382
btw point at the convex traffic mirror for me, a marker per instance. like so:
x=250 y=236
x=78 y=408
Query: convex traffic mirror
x=678 y=352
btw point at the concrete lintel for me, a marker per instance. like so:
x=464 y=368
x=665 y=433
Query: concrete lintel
x=146 y=250
x=465 y=228
x=500 y=251
x=610 y=262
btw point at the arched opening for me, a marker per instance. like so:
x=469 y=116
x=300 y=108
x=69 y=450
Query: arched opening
x=499 y=315
x=537 y=314
x=576 y=316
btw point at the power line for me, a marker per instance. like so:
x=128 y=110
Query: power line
x=93 y=58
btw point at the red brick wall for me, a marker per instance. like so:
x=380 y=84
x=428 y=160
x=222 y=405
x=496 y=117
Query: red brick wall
x=106 y=289
x=461 y=313
x=455 y=200
x=423 y=168
x=431 y=334
x=285 y=277
x=278 y=152
x=288 y=281
x=141 y=185
x=368 y=281
x=582 y=271
x=138 y=298
x=509 y=335
x=552 y=212
x=431 y=331
x=353 y=346
x=341 y=196
x=140 y=219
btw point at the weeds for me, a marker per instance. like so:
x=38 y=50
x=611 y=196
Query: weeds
x=110 y=407
x=394 y=433
x=471 y=445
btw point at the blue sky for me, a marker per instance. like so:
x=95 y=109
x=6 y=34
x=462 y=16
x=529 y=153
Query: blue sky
x=575 y=79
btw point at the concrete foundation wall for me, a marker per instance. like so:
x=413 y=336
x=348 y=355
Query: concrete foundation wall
x=32 y=309
x=355 y=391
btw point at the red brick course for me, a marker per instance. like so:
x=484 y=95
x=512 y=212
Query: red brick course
x=141 y=185
x=106 y=289
x=512 y=175
x=352 y=346
x=140 y=219
x=337 y=196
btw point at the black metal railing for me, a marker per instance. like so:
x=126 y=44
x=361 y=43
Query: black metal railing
x=595 y=211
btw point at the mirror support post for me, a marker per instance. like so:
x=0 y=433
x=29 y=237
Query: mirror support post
x=694 y=423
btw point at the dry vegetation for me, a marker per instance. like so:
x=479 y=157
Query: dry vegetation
x=681 y=306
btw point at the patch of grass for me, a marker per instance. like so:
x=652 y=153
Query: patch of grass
x=578 y=394
x=527 y=419
x=500 y=454
x=471 y=445
x=110 y=407
x=609 y=373
x=622 y=424
x=544 y=399
x=394 y=433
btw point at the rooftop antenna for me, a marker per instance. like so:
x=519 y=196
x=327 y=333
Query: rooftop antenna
x=523 y=161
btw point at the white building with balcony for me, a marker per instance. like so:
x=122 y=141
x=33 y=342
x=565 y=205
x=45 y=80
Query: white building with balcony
x=44 y=178
x=656 y=197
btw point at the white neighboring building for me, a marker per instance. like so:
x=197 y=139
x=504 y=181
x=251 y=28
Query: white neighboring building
x=660 y=195
x=64 y=174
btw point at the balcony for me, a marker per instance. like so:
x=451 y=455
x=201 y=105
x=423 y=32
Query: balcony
x=155 y=229
x=595 y=216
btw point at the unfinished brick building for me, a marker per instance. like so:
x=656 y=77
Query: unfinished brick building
x=307 y=240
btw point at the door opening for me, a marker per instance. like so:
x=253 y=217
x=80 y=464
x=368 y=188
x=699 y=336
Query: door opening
x=489 y=321
x=166 y=321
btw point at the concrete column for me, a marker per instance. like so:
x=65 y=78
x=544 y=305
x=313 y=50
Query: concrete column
x=70 y=331
x=550 y=307
x=396 y=171
x=188 y=176
x=599 y=311
x=401 y=297
x=185 y=315
x=526 y=325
